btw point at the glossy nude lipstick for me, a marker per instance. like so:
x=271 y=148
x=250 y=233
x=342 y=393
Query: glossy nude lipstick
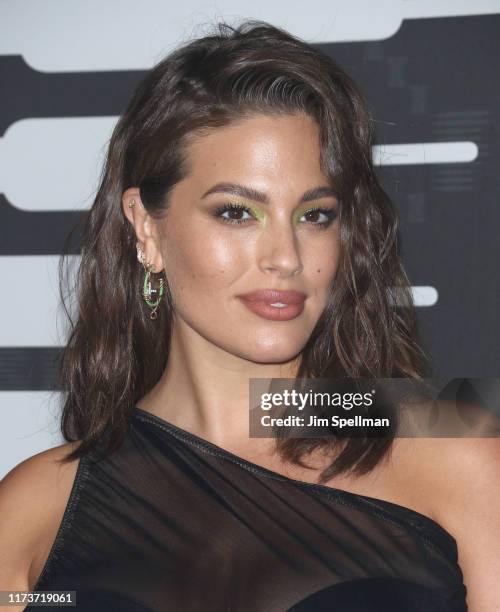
x=273 y=304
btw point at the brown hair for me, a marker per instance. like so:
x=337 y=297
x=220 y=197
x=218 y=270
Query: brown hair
x=115 y=354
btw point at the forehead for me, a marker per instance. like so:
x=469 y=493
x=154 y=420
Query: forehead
x=263 y=146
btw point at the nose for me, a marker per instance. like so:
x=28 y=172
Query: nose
x=280 y=250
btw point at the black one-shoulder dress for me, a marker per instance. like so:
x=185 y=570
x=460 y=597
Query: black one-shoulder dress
x=172 y=522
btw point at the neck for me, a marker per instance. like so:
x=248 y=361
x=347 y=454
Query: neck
x=205 y=389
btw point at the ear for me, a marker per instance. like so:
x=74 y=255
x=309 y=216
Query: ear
x=144 y=226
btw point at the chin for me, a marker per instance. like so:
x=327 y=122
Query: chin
x=271 y=354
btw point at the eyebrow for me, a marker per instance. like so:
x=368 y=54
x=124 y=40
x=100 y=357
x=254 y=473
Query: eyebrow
x=258 y=196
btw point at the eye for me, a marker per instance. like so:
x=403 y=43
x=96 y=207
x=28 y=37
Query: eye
x=235 y=214
x=329 y=213
x=235 y=211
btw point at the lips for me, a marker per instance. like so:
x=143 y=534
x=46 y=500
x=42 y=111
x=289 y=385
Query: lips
x=272 y=296
x=288 y=304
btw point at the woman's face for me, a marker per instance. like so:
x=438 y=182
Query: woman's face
x=211 y=256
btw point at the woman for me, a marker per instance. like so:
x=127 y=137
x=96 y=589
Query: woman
x=243 y=163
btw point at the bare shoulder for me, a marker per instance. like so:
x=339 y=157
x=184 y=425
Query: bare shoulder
x=33 y=498
x=461 y=478
x=457 y=469
x=447 y=470
x=468 y=474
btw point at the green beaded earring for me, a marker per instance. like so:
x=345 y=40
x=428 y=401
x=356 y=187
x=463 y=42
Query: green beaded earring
x=152 y=289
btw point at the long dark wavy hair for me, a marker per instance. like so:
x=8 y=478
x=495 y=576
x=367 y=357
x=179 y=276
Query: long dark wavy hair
x=115 y=353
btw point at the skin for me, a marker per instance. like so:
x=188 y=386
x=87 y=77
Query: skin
x=218 y=344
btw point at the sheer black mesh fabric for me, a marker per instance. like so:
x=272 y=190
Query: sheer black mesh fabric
x=172 y=522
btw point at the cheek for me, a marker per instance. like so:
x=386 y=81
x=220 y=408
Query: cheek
x=200 y=266
x=322 y=260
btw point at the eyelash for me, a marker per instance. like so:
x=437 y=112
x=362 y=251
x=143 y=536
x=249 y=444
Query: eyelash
x=329 y=212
